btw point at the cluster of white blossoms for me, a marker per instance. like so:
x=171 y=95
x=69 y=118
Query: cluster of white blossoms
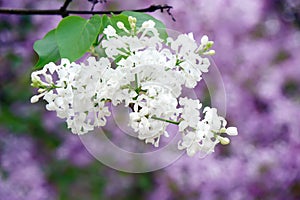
x=147 y=78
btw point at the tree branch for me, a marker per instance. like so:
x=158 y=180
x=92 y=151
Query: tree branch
x=64 y=12
x=63 y=9
x=66 y=4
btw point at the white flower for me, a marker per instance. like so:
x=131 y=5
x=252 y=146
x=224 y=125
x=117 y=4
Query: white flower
x=204 y=40
x=73 y=95
x=148 y=79
x=148 y=24
x=109 y=31
x=189 y=113
x=190 y=142
x=205 y=46
x=206 y=135
x=79 y=124
x=231 y=131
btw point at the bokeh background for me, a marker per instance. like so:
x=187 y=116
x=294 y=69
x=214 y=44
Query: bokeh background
x=258 y=54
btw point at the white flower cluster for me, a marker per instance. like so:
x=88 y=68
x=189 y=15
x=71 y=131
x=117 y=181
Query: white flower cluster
x=202 y=136
x=147 y=78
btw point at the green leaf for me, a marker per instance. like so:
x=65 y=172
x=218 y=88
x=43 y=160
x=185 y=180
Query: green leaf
x=46 y=49
x=75 y=35
x=104 y=23
x=142 y=17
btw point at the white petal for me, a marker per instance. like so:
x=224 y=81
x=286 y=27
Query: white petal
x=232 y=131
x=204 y=40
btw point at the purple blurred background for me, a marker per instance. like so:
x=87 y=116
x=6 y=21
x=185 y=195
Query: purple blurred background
x=257 y=45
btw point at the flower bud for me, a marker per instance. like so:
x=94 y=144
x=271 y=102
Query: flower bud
x=210 y=52
x=34 y=99
x=120 y=25
x=224 y=140
x=41 y=90
x=223 y=130
x=132 y=26
x=131 y=20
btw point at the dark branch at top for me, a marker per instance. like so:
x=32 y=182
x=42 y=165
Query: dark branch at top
x=66 y=4
x=64 y=8
x=64 y=12
x=94 y=2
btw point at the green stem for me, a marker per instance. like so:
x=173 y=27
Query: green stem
x=136 y=81
x=98 y=41
x=165 y=120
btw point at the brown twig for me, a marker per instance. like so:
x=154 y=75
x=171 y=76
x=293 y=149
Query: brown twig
x=63 y=11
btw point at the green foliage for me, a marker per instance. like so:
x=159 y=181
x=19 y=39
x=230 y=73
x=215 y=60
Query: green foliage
x=47 y=49
x=77 y=183
x=74 y=35
x=104 y=23
x=30 y=122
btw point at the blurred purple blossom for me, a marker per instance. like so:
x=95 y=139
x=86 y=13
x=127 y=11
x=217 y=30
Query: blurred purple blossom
x=21 y=175
x=72 y=149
